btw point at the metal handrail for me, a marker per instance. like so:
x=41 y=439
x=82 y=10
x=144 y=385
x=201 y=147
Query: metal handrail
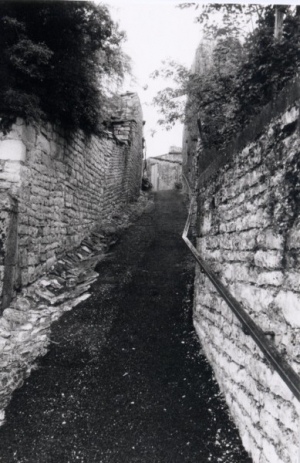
x=281 y=366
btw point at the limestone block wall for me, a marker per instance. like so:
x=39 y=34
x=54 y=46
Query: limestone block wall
x=53 y=190
x=249 y=233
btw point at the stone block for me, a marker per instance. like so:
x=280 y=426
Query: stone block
x=253 y=387
x=248 y=403
x=5 y=333
x=292 y=260
x=212 y=256
x=257 y=202
x=14 y=316
x=292 y=281
x=31 y=274
x=237 y=256
x=232 y=214
x=24 y=277
x=252 y=297
x=256 y=190
x=3 y=343
x=43 y=144
x=270 y=452
x=206 y=224
x=33 y=259
x=293 y=240
x=228 y=227
x=260 y=219
x=245 y=240
x=268 y=239
x=271 y=426
x=268 y=259
x=13 y=150
x=235 y=351
x=290 y=451
x=244 y=421
x=12 y=171
x=289 y=304
x=4 y=185
x=253 y=450
x=239 y=199
x=282 y=411
x=21 y=336
x=278 y=387
x=272 y=278
x=22 y=303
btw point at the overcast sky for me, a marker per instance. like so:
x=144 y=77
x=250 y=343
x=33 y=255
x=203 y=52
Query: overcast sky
x=155 y=30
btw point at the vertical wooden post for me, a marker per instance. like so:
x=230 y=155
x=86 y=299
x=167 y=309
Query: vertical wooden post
x=11 y=255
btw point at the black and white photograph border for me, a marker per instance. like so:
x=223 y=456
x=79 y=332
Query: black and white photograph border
x=149 y=247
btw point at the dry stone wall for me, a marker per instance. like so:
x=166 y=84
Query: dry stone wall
x=25 y=326
x=57 y=194
x=249 y=233
x=53 y=190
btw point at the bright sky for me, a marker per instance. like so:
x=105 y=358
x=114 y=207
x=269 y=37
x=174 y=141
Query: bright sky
x=155 y=30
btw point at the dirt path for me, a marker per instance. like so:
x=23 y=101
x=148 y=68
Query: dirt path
x=124 y=381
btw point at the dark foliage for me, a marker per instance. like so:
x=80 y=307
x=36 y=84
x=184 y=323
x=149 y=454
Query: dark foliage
x=54 y=58
x=268 y=65
x=211 y=95
x=146 y=184
x=240 y=79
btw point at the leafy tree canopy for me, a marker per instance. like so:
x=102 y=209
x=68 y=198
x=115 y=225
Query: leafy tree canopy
x=246 y=69
x=56 y=59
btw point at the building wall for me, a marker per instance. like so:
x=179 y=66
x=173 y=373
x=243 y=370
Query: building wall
x=165 y=171
x=249 y=233
x=54 y=189
x=174 y=157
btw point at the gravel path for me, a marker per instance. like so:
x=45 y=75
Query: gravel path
x=125 y=380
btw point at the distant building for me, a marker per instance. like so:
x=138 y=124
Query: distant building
x=165 y=171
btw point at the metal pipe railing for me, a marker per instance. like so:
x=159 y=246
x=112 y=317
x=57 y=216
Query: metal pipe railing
x=281 y=366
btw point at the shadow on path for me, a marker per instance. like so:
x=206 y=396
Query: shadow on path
x=124 y=380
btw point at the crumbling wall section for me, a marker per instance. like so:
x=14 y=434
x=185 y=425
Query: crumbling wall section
x=249 y=233
x=126 y=170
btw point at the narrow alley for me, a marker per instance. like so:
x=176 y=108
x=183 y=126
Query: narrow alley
x=124 y=380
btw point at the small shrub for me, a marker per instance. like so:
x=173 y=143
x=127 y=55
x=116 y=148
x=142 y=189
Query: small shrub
x=178 y=185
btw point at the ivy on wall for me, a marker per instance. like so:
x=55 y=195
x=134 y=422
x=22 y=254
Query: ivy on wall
x=55 y=59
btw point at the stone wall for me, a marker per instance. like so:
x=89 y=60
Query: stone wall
x=249 y=233
x=54 y=189
x=26 y=325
